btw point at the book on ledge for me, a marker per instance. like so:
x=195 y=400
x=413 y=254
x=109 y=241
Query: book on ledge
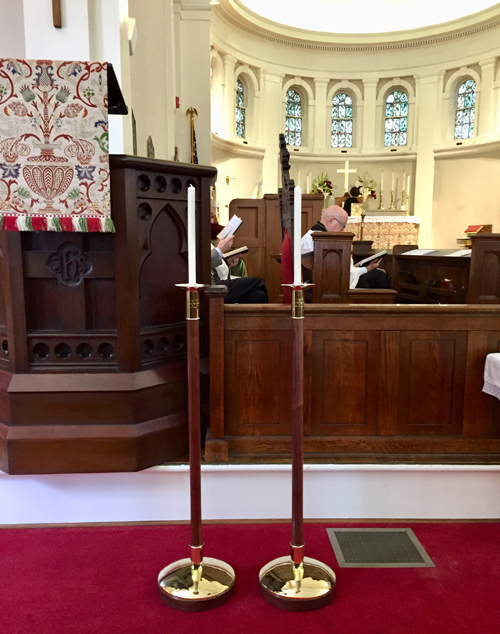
x=238 y=251
x=370 y=258
x=230 y=228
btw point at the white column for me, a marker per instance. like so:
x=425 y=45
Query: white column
x=369 y=115
x=274 y=124
x=193 y=21
x=229 y=96
x=485 y=98
x=320 y=121
x=427 y=97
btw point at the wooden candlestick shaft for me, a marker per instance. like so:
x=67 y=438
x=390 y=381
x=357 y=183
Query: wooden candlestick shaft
x=193 y=361
x=297 y=431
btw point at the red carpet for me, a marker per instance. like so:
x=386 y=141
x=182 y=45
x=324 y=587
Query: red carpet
x=102 y=580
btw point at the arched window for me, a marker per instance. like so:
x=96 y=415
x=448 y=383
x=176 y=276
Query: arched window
x=342 y=120
x=396 y=119
x=293 y=121
x=464 y=114
x=240 y=110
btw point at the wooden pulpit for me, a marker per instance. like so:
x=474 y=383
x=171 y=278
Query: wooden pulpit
x=93 y=329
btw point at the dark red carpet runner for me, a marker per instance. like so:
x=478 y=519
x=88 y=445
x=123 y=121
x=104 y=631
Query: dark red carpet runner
x=102 y=580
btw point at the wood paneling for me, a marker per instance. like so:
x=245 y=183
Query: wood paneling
x=261 y=232
x=381 y=382
x=484 y=287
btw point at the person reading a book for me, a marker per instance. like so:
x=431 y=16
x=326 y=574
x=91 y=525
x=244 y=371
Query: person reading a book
x=241 y=290
x=334 y=219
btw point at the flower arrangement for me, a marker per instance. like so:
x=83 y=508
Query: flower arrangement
x=368 y=185
x=322 y=185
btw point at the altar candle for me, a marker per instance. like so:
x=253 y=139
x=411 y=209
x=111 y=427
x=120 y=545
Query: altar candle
x=297 y=229
x=191 y=236
x=392 y=188
x=404 y=179
x=382 y=181
x=308 y=183
x=408 y=188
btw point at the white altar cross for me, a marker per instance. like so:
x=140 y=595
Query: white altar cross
x=346 y=171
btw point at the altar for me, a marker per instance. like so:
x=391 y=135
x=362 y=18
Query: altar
x=385 y=230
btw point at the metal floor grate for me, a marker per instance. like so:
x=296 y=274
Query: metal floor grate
x=378 y=548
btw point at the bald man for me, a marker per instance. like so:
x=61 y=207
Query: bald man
x=334 y=219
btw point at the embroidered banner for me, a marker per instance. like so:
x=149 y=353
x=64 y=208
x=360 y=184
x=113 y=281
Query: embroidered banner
x=54 y=162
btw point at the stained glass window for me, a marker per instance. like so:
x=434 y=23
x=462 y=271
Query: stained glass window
x=240 y=110
x=293 y=120
x=464 y=114
x=396 y=119
x=342 y=120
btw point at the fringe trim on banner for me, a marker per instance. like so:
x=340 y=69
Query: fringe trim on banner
x=56 y=223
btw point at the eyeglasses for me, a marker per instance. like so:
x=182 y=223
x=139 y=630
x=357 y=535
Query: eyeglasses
x=341 y=223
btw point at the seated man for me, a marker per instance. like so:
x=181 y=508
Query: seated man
x=241 y=290
x=333 y=219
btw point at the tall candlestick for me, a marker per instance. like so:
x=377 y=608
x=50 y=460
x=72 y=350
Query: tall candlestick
x=308 y=183
x=404 y=178
x=392 y=181
x=297 y=229
x=191 y=236
x=408 y=188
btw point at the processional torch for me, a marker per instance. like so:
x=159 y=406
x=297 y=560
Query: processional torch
x=195 y=584
x=297 y=583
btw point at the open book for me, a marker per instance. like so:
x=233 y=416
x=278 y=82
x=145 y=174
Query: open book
x=230 y=228
x=238 y=251
x=370 y=258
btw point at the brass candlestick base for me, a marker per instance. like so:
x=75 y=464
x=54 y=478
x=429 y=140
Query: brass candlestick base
x=190 y=587
x=392 y=207
x=297 y=587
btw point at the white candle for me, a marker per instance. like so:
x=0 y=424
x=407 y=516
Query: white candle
x=297 y=230
x=392 y=188
x=408 y=188
x=191 y=236
x=308 y=184
x=404 y=179
x=382 y=181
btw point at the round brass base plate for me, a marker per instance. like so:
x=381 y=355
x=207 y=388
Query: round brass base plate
x=178 y=590
x=279 y=588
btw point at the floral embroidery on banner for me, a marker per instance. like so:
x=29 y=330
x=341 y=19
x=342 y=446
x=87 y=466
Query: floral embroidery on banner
x=54 y=161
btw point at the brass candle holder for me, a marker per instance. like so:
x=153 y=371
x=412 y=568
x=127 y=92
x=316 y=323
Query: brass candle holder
x=296 y=582
x=403 y=200
x=392 y=207
x=195 y=584
x=381 y=202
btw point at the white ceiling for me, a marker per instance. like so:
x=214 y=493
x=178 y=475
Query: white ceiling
x=364 y=16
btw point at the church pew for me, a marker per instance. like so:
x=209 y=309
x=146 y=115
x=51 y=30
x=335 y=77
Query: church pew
x=382 y=383
x=331 y=266
x=479 y=273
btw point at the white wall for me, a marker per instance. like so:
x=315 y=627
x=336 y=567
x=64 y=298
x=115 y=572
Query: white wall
x=464 y=194
x=245 y=179
x=253 y=492
x=12 y=21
